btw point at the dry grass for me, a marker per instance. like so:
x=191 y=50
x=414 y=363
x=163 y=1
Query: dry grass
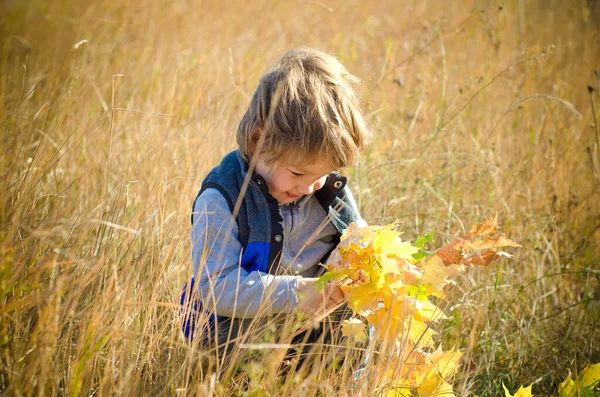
x=476 y=109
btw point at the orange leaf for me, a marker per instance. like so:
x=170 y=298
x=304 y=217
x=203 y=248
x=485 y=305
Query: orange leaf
x=480 y=259
x=451 y=253
x=496 y=241
x=488 y=227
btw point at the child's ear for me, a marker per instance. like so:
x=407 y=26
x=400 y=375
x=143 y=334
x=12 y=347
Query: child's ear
x=254 y=140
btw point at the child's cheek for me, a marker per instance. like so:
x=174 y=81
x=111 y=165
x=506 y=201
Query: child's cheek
x=320 y=183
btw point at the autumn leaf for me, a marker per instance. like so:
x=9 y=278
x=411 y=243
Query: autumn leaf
x=355 y=254
x=429 y=374
x=354 y=328
x=362 y=297
x=422 y=240
x=405 y=250
x=451 y=253
x=522 y=392
x=482 y=260
x=326 y=278
x=419 y=333
x=590 y=376
x=435 y=386
x=446 y=363
x=399 y=391
x=352 y=234
x=490 y=226
x=584 y=385
x=436 y=275
x=390 y=265
x=420 y=244
x=488 y=242
x=429 y=312
x=480 y=248
x=385 y=240
x=567 y=388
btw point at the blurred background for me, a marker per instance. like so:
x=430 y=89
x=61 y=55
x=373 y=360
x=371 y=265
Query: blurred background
x=112 y=112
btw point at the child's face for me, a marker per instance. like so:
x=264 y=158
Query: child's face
x=288 y=182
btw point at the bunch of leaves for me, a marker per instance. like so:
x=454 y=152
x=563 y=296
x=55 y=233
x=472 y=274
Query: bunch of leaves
x=393 y=285
x=585 y=384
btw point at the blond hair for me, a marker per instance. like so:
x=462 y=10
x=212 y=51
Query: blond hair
x=305 y=108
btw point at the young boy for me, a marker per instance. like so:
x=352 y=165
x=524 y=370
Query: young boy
x=267 y=218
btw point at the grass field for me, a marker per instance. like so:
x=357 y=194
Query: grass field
x=111 y=113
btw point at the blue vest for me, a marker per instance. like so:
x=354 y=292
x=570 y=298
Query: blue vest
x=259 y=221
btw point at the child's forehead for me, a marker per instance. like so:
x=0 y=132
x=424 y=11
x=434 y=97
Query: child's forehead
x=318 y=165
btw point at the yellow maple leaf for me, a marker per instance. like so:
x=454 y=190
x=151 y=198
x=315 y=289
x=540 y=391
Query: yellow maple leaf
x=445 y=363
x=399 y=391
x=585 y=382
x=436 y=274
x=404 y=250
x=355 y=254
x=589 y=376
x=351 y=235
x=355 y=329
x=427 y=374
x=522 y=392
x=427 y=312
x=390 y=265
x=385 y=239
x=434 y=386
x=567 y=387
x=363 y=298
x=419 y=333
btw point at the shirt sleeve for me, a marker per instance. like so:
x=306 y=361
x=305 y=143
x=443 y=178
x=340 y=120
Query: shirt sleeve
x=225 y=287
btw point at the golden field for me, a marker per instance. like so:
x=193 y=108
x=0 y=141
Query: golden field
x=112 y=112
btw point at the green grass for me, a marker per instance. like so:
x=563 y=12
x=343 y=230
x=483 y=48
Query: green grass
x=475 y=110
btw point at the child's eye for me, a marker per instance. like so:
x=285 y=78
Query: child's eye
x=297 y=174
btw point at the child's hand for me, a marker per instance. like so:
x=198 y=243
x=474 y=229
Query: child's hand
x=313 y=301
